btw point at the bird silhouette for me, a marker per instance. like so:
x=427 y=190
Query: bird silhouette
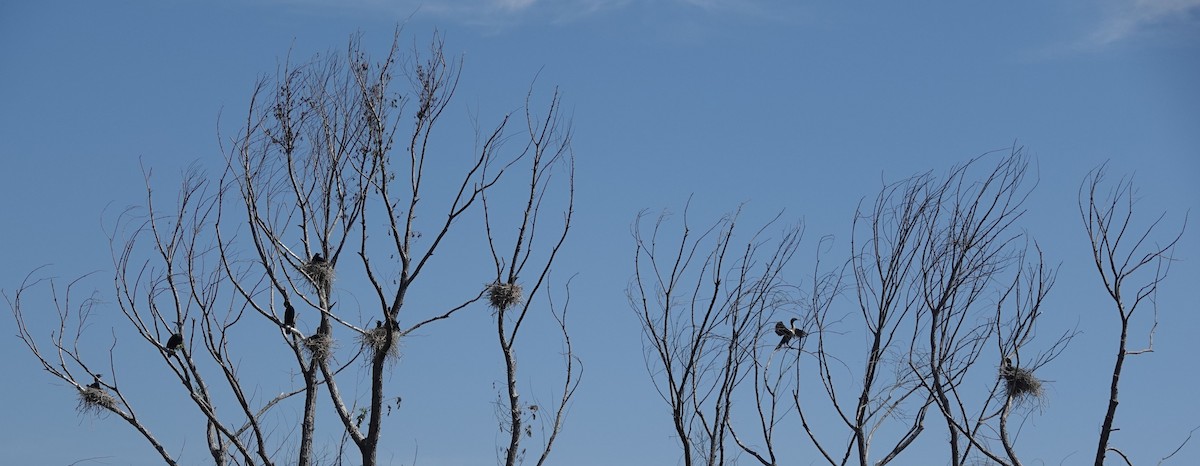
x=96 y=381
x=289 y=314
x=317 y=259
x=174 y=343
x=787 y=332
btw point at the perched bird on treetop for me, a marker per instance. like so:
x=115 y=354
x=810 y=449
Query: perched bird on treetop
x=174 y=343
x=96 y=382
x=788 y=332
x=289 y=314
x=317 y=259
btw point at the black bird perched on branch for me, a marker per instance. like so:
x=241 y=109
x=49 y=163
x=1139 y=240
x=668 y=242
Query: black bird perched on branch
x=96 y=381
x=174 y=343
x=317 y=259
x=289 y=314
x=788 y=332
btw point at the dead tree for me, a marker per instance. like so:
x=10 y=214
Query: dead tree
x=1132 y=263
x=511 y=298
x=324 y=189
x=1017 y=386
x=924 y=256
x=968 y=244
x=884 y=262
x=66 y=360
x=705 y=303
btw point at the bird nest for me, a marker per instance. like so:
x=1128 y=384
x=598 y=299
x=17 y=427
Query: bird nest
x=95 y=401
x=319 y=273
x=504 y=295
x=319 y=345
x=376 y=339
x=1021 y=383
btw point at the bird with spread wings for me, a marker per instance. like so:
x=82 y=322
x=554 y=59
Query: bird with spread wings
x=788 y=332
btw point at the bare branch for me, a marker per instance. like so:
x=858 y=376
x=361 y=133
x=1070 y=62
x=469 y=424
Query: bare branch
x=1108 y=217
x=704 y=308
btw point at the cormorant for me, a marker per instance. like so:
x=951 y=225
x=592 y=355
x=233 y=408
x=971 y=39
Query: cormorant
x=174 y=343
x=788 y=332
x=1008 y=366
x=317 y=259
x=96 y=383
x=289 y=314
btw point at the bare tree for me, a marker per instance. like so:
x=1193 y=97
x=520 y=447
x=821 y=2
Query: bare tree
x=548 y=146
x=1017 y=311
x=1132 y=264
x=923 y=253
x=950 y=292
x=325 y=189
x=703 y=302
x=970 y=246
x=884 y=242
x=925 y=258
x=64 y=358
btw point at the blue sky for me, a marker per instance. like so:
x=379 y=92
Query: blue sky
x=804 y=108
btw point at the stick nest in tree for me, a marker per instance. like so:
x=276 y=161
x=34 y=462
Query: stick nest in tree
x=376 y=338
x=320 y=273
x=93 y=400
x=504 y=295
x=319 y=345
x=1021 y=383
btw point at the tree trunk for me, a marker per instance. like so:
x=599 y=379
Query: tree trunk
x=1111 y=413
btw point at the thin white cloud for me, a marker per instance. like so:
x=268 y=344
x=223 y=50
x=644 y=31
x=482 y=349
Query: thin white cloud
x=489 y=14
x=499 y=14
x=1130 y=17
x=510 y=5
